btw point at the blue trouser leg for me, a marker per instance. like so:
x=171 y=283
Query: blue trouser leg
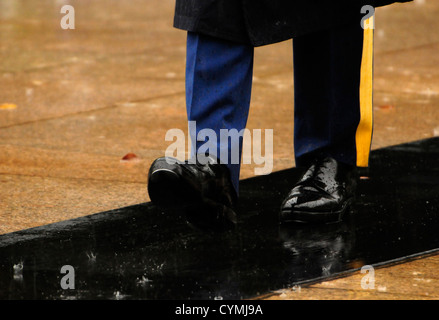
x=218 y=90
x=326 y=88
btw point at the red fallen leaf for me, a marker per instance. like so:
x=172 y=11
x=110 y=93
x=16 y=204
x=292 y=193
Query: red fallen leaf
x=129 y=156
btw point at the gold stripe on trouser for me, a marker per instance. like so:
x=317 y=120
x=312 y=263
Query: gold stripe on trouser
x=363 y=136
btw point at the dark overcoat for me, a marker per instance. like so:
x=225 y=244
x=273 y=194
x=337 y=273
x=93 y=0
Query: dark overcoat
x=262 y=22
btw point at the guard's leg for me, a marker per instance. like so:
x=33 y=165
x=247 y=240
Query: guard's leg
x=333 y=94
x=333 y=120
x=218 y=89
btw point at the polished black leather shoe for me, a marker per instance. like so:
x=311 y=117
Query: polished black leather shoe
x=322 y=195
x=205 y=191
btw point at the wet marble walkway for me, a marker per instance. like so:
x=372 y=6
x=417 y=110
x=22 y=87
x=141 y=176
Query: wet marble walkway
x=146 y=252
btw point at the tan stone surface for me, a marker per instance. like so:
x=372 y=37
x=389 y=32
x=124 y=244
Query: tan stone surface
x=39 y=200
x=416 y=280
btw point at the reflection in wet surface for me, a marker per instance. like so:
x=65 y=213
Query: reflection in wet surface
x=143 y=252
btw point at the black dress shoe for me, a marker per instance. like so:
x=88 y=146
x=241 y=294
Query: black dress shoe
x=204 y=191
x=322 y=195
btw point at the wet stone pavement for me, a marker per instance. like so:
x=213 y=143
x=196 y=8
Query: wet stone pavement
x=145 y=252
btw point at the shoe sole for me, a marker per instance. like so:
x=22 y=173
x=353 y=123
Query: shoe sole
x=309 y=217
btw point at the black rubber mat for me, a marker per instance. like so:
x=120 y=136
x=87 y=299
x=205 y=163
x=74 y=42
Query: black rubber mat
x=144 y=252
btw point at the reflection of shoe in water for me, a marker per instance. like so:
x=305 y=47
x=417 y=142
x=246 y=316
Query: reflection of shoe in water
x=205 y=190
x=318 y=238
x=322 y=195
x=317 y=250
